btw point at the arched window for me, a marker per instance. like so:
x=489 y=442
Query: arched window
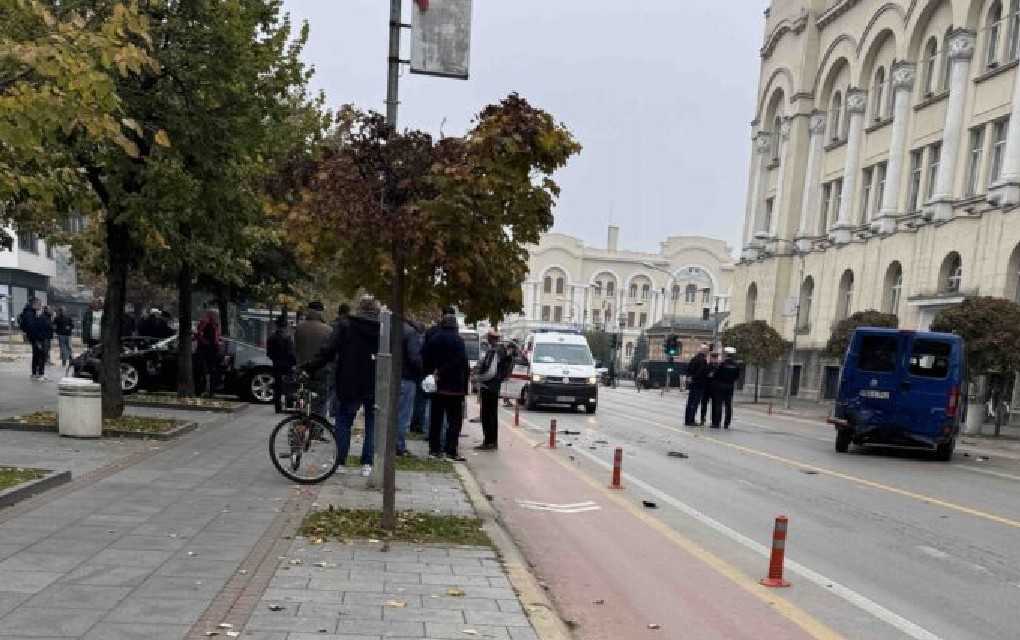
x=691 y=294
x=676 y=292
x=547 y=285
x=751 y=306
x=610 y=288
x=993 y=27
x=836 y=110
x=597 y=288
x=1013 y=37
x=646 y=291
x=633 y=290
x=845 y=299
x=931 y=58
x=777 y=137
x=630 y=349
x=807 y=294
x=892 y=291
x=951 y=273
x=559 y=285
x=877 y=91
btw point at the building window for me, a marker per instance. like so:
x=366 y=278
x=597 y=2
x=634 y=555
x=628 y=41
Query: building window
x=1013 y=38
x=559 y=285
x=807 y=292
x=629 y=349
x=934 y=158
x=837 y=197
x=706 y=296
x=545 y=313
x=951 y=273
x=595 y=317
x=769 y=204
x=993 y=25
x=836 y=108
x=999 y=130
x=646 y=291
x=877 y=92
x=865 y=194
x=690 y=294
x=916 y=170
x=823 y=215
x=777 y=138
x=751 y=306
x=557 y=314
x=676 y=292
x=597 y=289
x=633 y=291
x=977 y=145
x=931 y=58
x=28 y=242
x=630 y=319
x=893 y=288
x=846 y=295
x=547 y=285
x=643 y=320
x=610 y=289
x=880 y=171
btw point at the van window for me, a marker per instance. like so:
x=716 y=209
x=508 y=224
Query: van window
x=562 y=354
x=878 y=354
x=930 y=358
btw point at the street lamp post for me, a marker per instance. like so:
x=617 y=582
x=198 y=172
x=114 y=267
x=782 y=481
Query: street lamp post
x=796 y=313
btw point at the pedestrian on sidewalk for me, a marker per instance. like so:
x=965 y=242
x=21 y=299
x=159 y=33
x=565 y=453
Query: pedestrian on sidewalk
x=31 y=325
x=708 y=393
x=310 y=337
x=697 y=376
x=353 y=348
x=343 y=313
x=513 y=353
x=491 y=373
x=427 y=412
x=410 y=379
x=445 y=357
x=92 y=324
x=63 y=326
x=280 y=349
x=726 y=376
x=418 y=421
x=642 y=379
x=208 y=336
x=46 y=319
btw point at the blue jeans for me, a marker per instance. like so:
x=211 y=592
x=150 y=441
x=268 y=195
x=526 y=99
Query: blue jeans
x=345 y=420
x=65 y=349
x=404 y=412
x=428 y=421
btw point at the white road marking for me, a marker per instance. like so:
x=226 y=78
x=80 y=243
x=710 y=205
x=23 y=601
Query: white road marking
x=860 y=601
x=579 y=507
x=933 y=552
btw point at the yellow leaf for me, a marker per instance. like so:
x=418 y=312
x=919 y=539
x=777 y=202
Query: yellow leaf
x=162 y=139
x=133 y=125
x=457 y=593
x=130 y=148
x=396 y=603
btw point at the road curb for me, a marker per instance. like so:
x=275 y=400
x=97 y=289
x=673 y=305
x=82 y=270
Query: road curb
x=180 y=430
x=536 y=603
x=186 y=407
x=28 y=489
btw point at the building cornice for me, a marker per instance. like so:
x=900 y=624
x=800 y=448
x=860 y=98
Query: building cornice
x=828 y=16
x=796 y=25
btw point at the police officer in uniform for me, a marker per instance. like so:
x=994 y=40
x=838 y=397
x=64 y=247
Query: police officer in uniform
x=726 y=374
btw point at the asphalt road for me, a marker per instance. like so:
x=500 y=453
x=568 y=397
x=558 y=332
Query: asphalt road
x=882 y=543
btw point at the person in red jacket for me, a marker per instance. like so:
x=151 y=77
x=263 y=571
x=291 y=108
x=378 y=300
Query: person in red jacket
x=208 y=336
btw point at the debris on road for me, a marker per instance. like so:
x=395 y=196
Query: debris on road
x=648 y=504
x=601 y=442
x=982 y=458
x=652 y=625
x=600 y=602
x=677 y=454
x=276 y=607
x=567 y=432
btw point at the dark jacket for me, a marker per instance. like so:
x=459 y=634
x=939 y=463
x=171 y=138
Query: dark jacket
x=149 y=327
x=63 y=325
x=726 y=374
x=445 y=356
x=310 y=337
x=353 y=347
x=697 y=370
x=492 y=374
x=412 y=369
x=46 y=325
x=163 y=329
x=31 y=324
x=280 y=349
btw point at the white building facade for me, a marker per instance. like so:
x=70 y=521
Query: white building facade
x=574 y=285
x=24 y=272
x=885 y=167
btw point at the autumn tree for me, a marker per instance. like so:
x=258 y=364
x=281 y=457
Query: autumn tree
x=598 y=344
x=757 y=344
x=990 y=328
x=839 y=341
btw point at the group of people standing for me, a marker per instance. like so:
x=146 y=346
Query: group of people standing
x=711 y=382
x=340 y=364
x=39 y=326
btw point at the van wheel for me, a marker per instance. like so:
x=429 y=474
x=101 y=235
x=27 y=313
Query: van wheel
x=944 y=451
x=843 y=439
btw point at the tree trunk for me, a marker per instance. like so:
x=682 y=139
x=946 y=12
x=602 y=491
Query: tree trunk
x=185 y=371
x=118 y=249
x=389 y=518
x=757 y=377
x=223 y=302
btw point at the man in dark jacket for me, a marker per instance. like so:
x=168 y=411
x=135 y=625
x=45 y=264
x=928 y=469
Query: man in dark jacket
x=31 y=324
x=353 y=348
x=708 y=392
x=310 y=337
x=46 y=320
x=63 y=326
x=697 y=380
x=726 y=376
x=92 y=324
x=280 y=349
x=491 y=373
x=410 y=378
x=445 y=357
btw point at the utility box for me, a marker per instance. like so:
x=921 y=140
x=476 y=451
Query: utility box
x=80 y=412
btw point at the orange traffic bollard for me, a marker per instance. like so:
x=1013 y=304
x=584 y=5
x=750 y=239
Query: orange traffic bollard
x=552 y=433
x=617 y=469
x=775 y=578
x=517 y=414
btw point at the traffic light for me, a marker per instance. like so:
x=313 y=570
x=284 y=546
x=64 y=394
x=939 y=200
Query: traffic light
x=672 y=345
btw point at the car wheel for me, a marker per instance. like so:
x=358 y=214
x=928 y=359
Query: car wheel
x=130 y=377
x=944 y=451
x=590 y=408
x=260 y=387
x=843 y=439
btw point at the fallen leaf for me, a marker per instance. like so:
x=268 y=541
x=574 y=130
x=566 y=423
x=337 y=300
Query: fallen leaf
x=316 y=540
x=455 y=592
x=396 y=603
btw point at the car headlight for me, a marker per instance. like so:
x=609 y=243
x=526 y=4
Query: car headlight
x=536 y=378
x=592 y=380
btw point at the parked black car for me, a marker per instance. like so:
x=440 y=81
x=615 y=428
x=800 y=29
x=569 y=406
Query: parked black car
x=151 y=365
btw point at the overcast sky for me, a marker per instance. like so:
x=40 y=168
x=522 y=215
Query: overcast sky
x=660 y=94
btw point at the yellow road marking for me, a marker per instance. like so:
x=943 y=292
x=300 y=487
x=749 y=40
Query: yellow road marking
x=787 y=609
x=977 y=513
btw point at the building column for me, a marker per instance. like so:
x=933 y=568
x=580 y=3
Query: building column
x=784 y=159
x=761 y=148
x=856 y=103
x=961 y=49
x=529 y=304
x=809 y=200
x=902 y=85
x=1006 y=190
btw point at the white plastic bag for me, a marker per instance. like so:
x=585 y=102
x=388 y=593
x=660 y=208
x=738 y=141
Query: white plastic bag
x=428 y=385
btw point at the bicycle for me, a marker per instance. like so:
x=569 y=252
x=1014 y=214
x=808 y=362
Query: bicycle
x=303 y=446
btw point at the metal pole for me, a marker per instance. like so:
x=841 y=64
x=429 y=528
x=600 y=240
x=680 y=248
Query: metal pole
x=393 y=66
x=793 y=343
x=382 y=395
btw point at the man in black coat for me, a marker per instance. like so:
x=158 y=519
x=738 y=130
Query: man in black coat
x=410 y=379
x=708 y=393
x=726 y=376
x=280 y=349
x=491 y=373
x=697 y=381
x=31 y=324
x=445 y=357
x=353 y=348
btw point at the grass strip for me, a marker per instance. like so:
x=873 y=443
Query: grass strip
x=174 y=401
x=422 y=528
x=13 y=476
x=420 y=465
x=136 y=424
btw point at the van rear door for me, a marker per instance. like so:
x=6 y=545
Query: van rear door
x=876 y=380
x=928 y=385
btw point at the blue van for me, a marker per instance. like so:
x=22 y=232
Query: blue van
x=901 y=388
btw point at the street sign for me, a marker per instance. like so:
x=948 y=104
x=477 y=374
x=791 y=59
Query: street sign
x=441 y=38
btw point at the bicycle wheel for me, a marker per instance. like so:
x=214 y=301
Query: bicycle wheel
x=304 y=449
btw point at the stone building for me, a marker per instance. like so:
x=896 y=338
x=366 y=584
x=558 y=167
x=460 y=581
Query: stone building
x=885 y=167
x=590 y=288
